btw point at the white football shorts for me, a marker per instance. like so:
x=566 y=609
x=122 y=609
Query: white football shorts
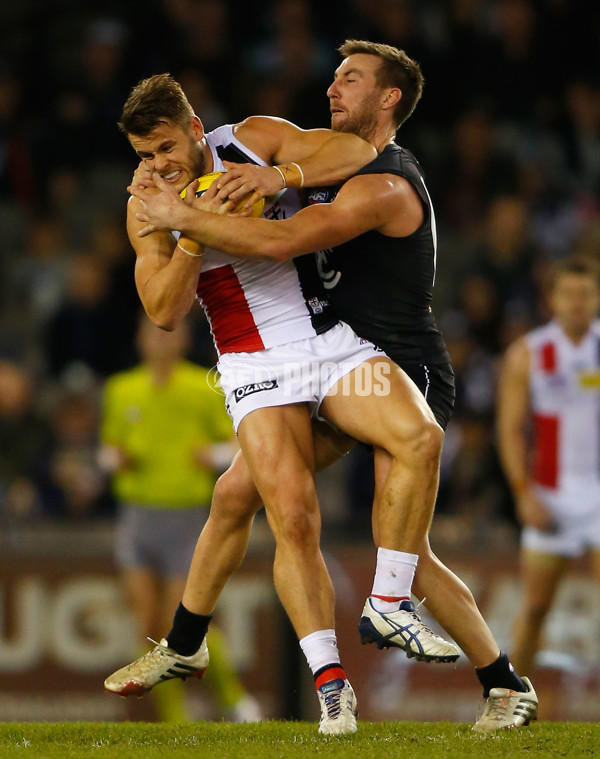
x=298 y=372
x=575 y=534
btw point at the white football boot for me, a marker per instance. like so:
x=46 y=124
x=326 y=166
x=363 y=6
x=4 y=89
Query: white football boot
x=505 y=709
x=157 y=666
x=339 y=708
x=404 y=629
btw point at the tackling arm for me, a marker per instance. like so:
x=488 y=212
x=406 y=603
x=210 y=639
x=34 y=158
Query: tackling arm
x=324 y=157
x=366 y=202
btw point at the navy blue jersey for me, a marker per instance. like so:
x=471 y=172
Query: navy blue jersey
x=383 y=286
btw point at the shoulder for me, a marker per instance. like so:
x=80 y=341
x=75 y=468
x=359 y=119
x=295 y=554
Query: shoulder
x=518 y=355
x=543 y=334
x=382 y=189
x=256 y=130
x=379 y=182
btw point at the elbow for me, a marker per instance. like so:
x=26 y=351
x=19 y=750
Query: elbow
x=168 y=321
x=360 y=150
x=278 y=250
x=165 y=323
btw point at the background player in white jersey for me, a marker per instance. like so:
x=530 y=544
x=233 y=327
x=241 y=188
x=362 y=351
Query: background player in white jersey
x=273 y=427
x=391 y=207
x=549 y=439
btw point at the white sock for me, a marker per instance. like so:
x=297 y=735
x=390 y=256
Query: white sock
x=394 y=576
x=320 y=649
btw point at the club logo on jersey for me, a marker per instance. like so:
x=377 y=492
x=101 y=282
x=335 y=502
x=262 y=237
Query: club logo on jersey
x=255 y=387
x=330 y=277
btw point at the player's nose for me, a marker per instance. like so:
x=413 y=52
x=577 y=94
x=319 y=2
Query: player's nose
x=160 y=164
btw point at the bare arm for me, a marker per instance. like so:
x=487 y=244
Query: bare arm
x=165 y=276
x=513 y=412
x=324 y=157
x=381 y=202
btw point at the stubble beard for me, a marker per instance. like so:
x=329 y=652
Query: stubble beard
x=363 y=125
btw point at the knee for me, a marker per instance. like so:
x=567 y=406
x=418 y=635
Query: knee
x=296 y=520
x=296 y=531
x=235 y=497
x=424 y=442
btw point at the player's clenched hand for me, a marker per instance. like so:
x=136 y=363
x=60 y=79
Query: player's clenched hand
x=531 y=512
x=159 y=210
x=142 y=176
x=247 y=179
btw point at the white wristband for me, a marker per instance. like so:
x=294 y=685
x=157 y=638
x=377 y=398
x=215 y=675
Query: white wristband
x=301 y=173
x=193 y=255
x=282 y=176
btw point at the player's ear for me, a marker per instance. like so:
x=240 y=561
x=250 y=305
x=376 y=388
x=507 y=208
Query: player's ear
x=197 y=128
x=391 y=98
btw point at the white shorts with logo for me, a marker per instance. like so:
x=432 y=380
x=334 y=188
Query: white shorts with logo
x=303 y=371
x=574 y=534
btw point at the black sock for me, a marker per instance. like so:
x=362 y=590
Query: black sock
x=188 y=631
x=500 y=674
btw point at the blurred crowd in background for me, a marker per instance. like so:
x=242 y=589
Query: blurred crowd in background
x=508 y=132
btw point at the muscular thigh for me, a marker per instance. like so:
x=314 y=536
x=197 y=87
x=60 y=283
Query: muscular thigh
x=437 y=385
x=394 y=405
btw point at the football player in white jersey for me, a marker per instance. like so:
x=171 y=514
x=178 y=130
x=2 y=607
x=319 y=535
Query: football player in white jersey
x=550 y=386
x=275 y=431
x=361 y=103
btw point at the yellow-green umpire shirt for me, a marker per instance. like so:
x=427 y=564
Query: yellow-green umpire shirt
x=159 y=427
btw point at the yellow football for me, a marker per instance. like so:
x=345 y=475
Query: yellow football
x=208 y=179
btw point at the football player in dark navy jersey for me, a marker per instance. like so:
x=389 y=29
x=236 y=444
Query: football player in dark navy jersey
x=379 y=241
x=383 y=286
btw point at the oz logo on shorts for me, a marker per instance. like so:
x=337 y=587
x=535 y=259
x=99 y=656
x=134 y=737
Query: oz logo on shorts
x=255 y=387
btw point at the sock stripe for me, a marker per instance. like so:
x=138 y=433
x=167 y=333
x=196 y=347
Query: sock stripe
x=330 y=673
x=390 y=599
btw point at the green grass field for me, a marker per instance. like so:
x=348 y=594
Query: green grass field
x=409 y=740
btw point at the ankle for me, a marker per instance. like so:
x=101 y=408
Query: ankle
x=328 y=673
x=500 y=674
x=188 y=631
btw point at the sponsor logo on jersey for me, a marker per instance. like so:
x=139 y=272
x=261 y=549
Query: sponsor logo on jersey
x=274 y=212
x=589 y=379
x=318 y=196
x=255 y=387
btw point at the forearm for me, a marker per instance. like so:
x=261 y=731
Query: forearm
x=169 y=293
x=513 y=450
x=339 y=158
x=243 y=237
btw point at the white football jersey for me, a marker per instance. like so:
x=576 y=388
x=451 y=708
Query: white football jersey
x=253 y=304
x=565 y=404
